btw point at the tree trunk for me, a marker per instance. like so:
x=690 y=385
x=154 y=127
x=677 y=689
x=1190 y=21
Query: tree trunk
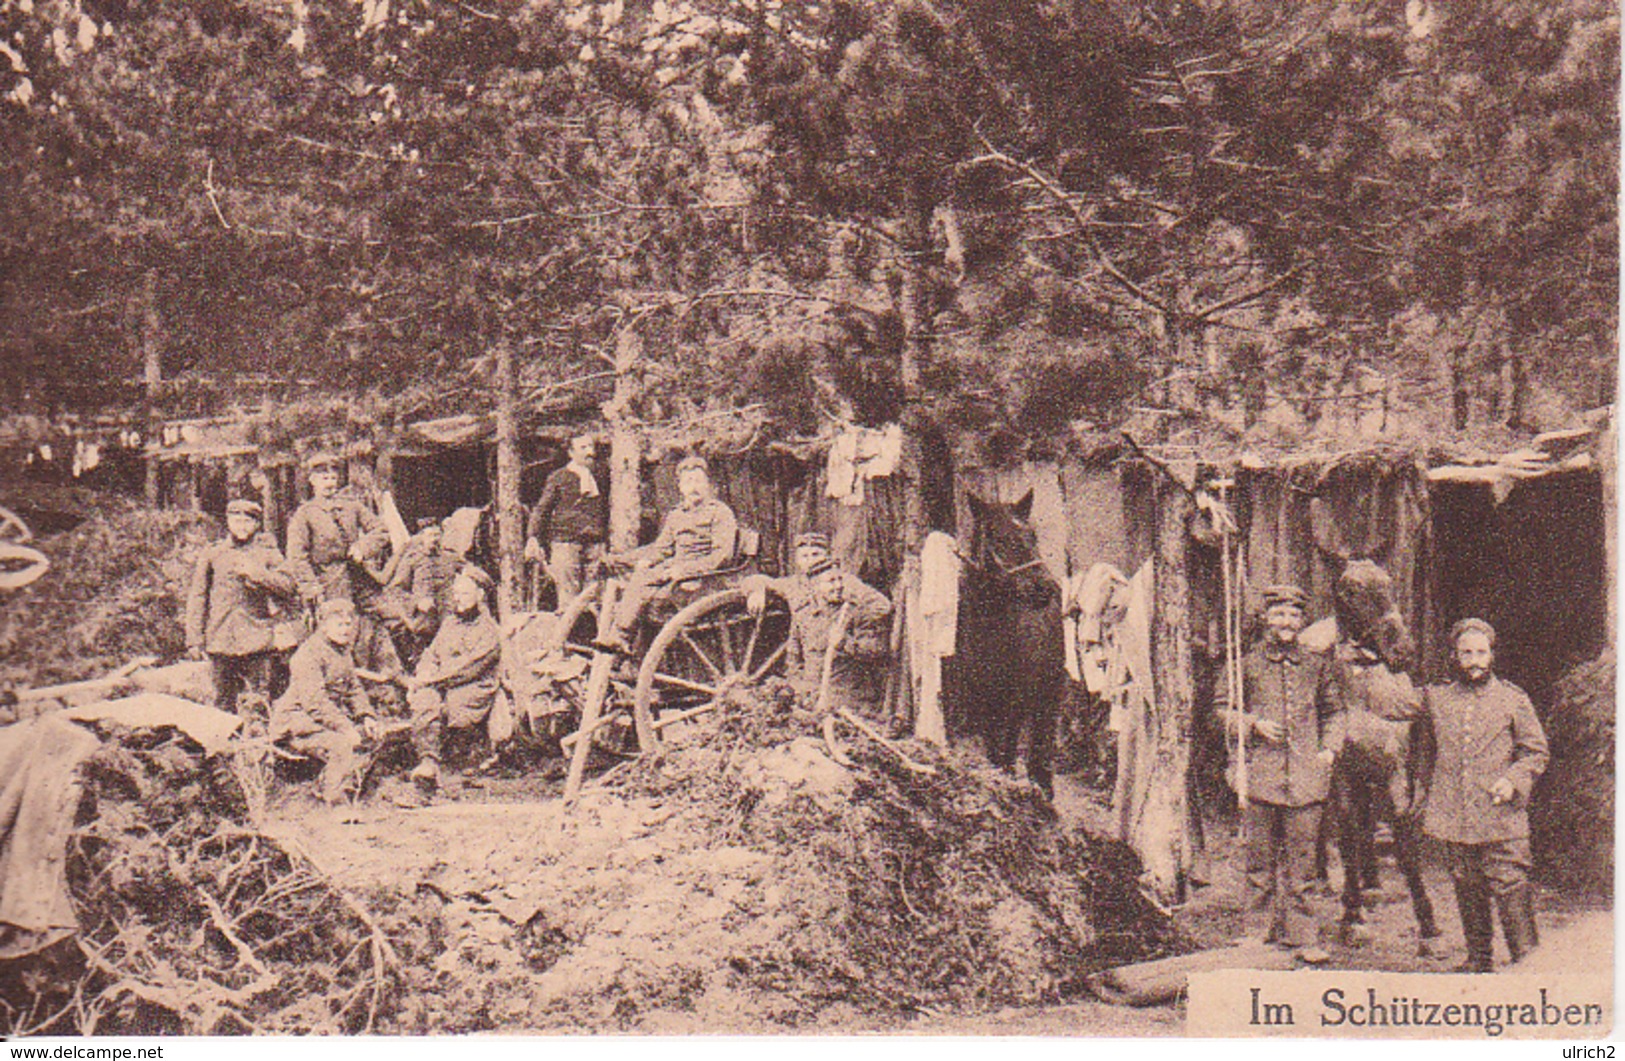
x=1517 y=404
x=153 y=376
x=625 y=447
x=1164 y=839
x=1460 y=398
x=509 y=525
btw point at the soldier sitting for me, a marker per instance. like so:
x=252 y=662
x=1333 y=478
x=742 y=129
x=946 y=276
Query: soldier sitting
x=320 y=713
x=456 y=681
x=419 y=590
x=697 y=538
x=853 y=673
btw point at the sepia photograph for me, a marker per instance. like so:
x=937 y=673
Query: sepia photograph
x=1065 y=519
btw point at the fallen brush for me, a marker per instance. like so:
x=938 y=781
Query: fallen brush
x=193 y=919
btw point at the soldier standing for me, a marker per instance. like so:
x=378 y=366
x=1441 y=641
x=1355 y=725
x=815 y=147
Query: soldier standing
x=572 y=519
x=231 y=608
x=1290 y=730
x=1486 y=748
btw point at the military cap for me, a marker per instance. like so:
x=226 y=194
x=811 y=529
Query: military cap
x=476 y=575
x=242 y=506
x=1472 y=625
x=811 y=540
x=819 y=566
x=323 y=460
x=691 y=463
x=1285 y=593
x=334 y=606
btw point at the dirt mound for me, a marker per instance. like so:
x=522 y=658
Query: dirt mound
x=745 y=881
x=1573 y=807
x=116 y=589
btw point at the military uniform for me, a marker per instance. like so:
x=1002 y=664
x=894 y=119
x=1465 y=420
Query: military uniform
x=462 y=664
x=317 y=716
x=1478 y=735
x=320 y=537
x=418 y=594
x=854 y=677
x=231 y=613
x=694 y=540
x=1287 y=781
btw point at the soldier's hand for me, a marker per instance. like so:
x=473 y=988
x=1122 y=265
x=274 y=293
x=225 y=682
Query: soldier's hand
x=1270 y=730
x=195 y=651
x=756 y=601
x=358 y=554
x=533 y=550
x=1503 y=791
x=1326 y=756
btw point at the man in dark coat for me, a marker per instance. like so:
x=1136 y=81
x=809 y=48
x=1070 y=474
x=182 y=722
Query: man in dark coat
x=332 y=536
x=325 y=713
x=1486 y=749
x=238 y=589
x=1289 y=729
x=571 y=519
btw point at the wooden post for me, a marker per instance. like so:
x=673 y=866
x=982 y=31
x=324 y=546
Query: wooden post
x=625 y=447
x=153 y=376
x=510 y=527
x=1163 y=827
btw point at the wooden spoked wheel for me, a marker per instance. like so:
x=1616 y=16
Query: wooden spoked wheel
x=13 y=529
x=708 y=648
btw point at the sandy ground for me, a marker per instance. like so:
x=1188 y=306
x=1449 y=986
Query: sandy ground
x=487 y=831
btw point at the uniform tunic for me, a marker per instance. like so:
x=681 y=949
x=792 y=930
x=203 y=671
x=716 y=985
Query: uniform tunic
x=694 y=540
x=462 y=663
x=229 y=605
x=1481 y=734
x=317 y=714
x=853 y=673
x=320 y=537
x=1293 y=687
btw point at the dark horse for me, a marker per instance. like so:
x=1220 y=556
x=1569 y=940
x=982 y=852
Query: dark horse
x=1374 y=779
x=1012 y=647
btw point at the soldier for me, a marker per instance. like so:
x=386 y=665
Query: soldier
x=1291 y=728
x=457 y=680
x=419 y=590
x=331 y=537
x=320 y=712
x=696 y=539
x=1486 y=748
x=854 y=676
x=808 y=548
x=231 y=608
x=335 y=544
x=572 y=519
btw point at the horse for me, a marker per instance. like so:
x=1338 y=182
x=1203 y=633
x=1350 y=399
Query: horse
x=1373 y=779
x=1012 y=644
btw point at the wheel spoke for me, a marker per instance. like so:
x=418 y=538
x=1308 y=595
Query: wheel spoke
x=755 y=635
x=725 y=632
x=716 y=672
x=778 y=654
x=684 y=683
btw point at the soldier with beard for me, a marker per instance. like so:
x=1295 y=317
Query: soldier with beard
x=1487 y=749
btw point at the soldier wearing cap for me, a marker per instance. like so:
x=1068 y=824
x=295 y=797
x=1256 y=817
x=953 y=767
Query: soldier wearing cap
x=336 y=545
x=239 y=586
x=331 y=536
x=325 y=713
x=571 y=519
x=807 y=549
x=1486 y=748
x=1290 y=729
x=696 y=538
x=419 y=590
x=854 y=680
x=456 y=681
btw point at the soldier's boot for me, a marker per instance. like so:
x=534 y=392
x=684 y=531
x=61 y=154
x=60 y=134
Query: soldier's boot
x=1478 y=925
x=1517 y=906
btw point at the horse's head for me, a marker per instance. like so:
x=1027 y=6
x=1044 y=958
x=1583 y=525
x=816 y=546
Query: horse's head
x=1368 y=614
x=1004 y=549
